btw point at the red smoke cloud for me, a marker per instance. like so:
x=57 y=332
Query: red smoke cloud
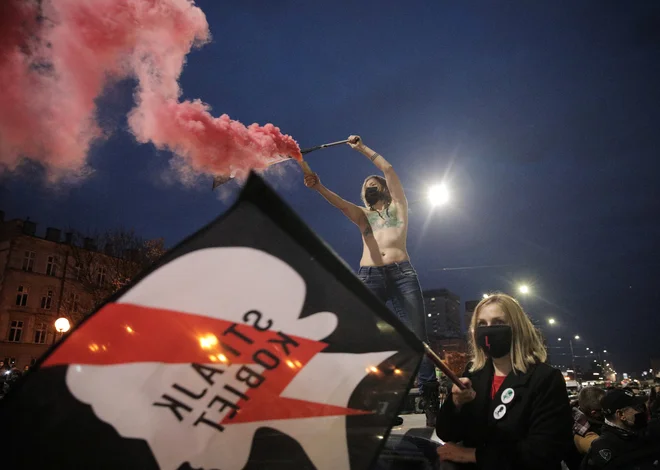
x=53 y=69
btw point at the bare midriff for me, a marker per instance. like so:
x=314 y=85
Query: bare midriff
x=384 y=236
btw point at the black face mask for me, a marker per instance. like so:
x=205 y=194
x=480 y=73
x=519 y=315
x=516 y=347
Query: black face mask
x=641 y=420
x=372 y=195
x=495 y=340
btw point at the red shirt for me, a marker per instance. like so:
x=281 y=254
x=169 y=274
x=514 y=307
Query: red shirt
x=497 y=383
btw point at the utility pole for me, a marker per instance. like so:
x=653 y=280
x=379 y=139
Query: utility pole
x=570 y=343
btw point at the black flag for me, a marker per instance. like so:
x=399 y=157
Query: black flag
x=249 y=345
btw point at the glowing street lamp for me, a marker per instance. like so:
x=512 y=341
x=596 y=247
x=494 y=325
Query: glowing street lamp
x=62 y=325
x=523 y=289
x=485 y=296
x=551 y=321
x=438 y=194
x=558 y=339
x=577 y=336
x=605 y=351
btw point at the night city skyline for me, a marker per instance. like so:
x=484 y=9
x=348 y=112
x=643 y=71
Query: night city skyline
x=540 y=119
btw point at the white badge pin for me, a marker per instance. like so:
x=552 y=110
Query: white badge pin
x=499 y=412
x=507 y=396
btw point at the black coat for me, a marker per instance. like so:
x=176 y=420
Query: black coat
x=534 y=433
x=624 y=450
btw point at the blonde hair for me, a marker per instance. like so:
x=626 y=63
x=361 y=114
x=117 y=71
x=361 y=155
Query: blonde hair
x=386 y=192
x=526 y=343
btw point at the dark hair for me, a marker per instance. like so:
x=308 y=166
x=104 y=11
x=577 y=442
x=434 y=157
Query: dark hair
x=386 y=192
x=589 y=399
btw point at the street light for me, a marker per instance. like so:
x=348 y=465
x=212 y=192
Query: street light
x=558 y=339
x=551 y=321
x=62 y=325
x=485 y=296
x=523 y=289
x=438 y=194
x=605 y=350
x=577 y=336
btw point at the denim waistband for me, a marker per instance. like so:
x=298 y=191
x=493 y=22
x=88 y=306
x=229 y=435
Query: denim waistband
x=386 y=267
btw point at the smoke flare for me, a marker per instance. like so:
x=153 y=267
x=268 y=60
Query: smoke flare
x=57 y=57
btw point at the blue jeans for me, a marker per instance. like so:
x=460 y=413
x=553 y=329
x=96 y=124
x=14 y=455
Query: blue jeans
x=398 y=284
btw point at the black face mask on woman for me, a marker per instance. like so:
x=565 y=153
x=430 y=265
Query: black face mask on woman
x=372 y=195
x=494 y=340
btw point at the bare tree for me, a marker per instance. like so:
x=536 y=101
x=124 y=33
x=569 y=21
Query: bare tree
x=97 y=266
x=456 y=361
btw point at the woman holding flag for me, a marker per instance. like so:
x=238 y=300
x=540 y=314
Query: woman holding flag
x=514 y=413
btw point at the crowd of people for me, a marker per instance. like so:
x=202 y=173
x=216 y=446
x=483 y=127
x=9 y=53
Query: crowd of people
x=514 y=413
x=9 y=374
x=513 y=410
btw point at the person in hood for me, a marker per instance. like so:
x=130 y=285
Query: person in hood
x=385 y=265
x=627 y=440
x=515 y=412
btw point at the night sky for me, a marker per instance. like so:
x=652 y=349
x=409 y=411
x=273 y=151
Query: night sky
x=540 y=116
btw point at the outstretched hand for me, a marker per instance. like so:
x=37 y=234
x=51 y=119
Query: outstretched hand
x=355 y=141
x=312 y=181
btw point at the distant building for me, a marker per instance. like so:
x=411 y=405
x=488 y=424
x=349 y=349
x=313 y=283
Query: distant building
x=655 y=368
x=443 y=320
x=40 y=282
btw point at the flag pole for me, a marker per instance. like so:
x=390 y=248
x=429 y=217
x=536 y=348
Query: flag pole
x=219 y=180
x=324 y=146
x=430 y=353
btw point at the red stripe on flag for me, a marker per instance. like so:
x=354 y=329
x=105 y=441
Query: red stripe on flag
x=125 y=333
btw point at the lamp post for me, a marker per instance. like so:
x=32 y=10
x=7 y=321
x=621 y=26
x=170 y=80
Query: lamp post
x=62 y=325
x=570 y=343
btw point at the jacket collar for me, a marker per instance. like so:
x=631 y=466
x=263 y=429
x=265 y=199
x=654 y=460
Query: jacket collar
x=484 y=378
x=620 y=432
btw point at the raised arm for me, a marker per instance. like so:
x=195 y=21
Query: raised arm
x=350 y=210
x=393 y=181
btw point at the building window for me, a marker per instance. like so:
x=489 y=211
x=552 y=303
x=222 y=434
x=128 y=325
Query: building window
x=47 y=300
x=40 y=333
x=100 y=275
x=22 y=296
x=76 y=270
x=28 y=261
x=51 y=266
x=75 y=302
x=15 y=331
